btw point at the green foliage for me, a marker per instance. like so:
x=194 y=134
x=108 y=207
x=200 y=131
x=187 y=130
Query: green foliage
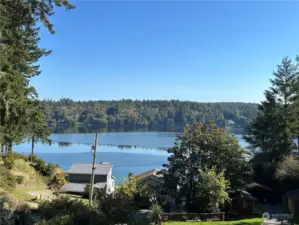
x=57 y=181
x=8 y=160
x=40 y=166
x=117 y=208
x=271 y=133
x=199 y=150
x=156 y=212
x=19 y=53
x=254 y=221
x=69 y=210
x=58 y=220
x=155 y=114
x=7 y=180
x=32 y=158
x=211 y=192
x=20 y=179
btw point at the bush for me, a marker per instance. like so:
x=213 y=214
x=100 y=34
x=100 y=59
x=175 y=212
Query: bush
x=32 y=158
x=69 y=210
x=8 y=160
x=22 y=156
x=49 y=170
x=7 y=180
x=117 y=208
x=20 y=179
x=14 y=211
x=40 y=166
x=57 y=182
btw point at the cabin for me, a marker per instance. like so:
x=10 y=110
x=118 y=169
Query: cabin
x=292 y=201
x=79 y=175
x=262 y=193
x=242 y=203
x=154 y=183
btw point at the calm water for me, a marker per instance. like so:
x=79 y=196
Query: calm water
x=128 y=151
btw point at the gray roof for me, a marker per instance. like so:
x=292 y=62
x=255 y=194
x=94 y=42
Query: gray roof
x=80 y=187
x=85 y=168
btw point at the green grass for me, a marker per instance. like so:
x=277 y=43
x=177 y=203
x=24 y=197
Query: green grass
x=20 y=194
x=254 y=221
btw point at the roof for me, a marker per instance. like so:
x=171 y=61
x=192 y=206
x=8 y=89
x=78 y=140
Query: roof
x=247 y=195
x=147 y=174
x=243 y=194
x=85 y=168
x=294 y=194
x=80 y=187
x=254 y=184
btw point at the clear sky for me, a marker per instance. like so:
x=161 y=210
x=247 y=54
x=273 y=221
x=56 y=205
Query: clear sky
x=203 y=51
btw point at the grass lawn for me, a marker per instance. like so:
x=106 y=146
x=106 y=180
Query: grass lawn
x=254 y=221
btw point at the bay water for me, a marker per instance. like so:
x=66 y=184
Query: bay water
x=135 y=152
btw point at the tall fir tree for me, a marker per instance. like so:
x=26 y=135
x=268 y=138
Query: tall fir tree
x=19 y=55
x=271 y=133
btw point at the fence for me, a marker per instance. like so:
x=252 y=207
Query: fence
x=193 y=216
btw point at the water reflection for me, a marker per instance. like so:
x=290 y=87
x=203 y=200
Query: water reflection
x=63 y=144
x=98 y=129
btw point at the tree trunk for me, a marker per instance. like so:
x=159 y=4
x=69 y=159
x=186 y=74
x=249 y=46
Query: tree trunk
x=32 y=146
x=9 y=147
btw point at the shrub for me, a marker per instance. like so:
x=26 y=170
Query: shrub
x=7 y=180
x=49 y=170
x=22 y=156
x=20 y=179
x=8 y=160
x=117 y=208
x=57 y=182
x=14 y=211
x=40 y=166
x=32 y=158
x=156 y=211
x=69 y=210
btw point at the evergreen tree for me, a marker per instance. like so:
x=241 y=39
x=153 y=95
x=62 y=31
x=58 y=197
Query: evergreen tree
x=272 y=131
x=19 y=54
x=37 y=128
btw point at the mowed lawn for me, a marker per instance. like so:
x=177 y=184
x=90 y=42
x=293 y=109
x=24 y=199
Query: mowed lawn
x=254 y=221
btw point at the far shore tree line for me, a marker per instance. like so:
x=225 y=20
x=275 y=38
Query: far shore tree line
x=154 y=114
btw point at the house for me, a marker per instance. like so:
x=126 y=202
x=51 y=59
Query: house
x=292 y=200
x=79 y=175
x=262 y=193
x=242 y=203
x=154 y=183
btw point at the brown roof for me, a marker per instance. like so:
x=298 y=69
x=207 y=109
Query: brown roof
x=147 y=174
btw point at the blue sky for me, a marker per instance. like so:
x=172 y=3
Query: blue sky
x=205 y=51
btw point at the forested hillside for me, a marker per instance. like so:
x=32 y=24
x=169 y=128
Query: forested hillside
x=146 y=113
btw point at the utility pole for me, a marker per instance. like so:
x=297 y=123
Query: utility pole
x=94 y=148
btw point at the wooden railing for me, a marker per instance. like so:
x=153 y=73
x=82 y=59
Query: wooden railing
x=193 y=216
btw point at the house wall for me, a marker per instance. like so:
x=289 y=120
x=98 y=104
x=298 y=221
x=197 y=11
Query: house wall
x=242 y=206
x=290 y=205
x=85 y=178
